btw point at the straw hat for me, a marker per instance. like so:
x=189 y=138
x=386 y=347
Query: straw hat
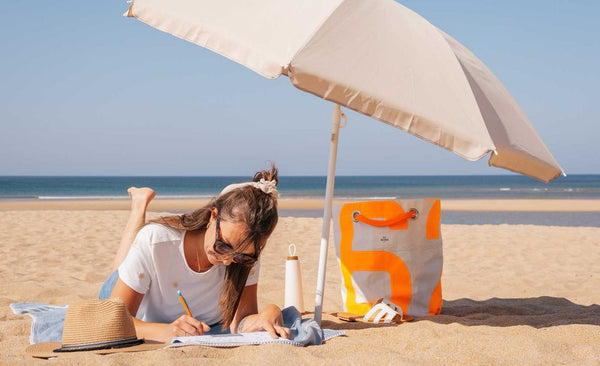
x=98 y=326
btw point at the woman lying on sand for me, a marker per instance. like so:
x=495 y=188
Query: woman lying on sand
x=210 y=255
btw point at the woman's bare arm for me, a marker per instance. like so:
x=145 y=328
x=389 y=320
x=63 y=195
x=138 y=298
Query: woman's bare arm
x=162 y=332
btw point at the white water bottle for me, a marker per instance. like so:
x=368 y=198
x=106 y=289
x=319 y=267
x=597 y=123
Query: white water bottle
x=293 y=281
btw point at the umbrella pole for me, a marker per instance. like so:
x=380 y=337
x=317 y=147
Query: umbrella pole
x=335 y=128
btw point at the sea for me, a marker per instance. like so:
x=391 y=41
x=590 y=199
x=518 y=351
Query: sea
x=19 y=188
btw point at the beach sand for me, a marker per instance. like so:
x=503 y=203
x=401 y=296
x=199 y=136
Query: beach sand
x=513 y=294
x=169 y=205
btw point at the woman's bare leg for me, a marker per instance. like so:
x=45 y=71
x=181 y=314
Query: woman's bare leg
x=140 y=198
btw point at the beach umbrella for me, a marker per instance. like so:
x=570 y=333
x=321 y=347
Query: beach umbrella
x=376 y=57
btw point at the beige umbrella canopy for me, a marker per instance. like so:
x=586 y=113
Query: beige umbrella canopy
x=374 y=56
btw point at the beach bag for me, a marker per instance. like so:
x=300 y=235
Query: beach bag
x=390 y=249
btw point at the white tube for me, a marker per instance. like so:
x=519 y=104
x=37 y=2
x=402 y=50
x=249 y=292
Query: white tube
x=335 y=128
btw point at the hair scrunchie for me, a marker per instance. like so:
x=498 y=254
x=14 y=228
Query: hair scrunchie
x=267 y=186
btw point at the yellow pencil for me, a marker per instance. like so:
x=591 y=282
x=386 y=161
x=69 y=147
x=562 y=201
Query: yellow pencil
x=185 y=305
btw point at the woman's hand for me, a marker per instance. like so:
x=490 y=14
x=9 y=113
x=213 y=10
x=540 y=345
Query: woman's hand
x=268 y=319
x=182 y=326
x=272 y=321
x=186 y=326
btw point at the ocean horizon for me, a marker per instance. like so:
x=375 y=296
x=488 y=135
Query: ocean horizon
x=582 y=186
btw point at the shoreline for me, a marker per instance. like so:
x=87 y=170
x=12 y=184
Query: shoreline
x=166 y=205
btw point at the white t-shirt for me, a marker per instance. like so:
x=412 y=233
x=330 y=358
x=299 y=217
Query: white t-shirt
x=156 y=267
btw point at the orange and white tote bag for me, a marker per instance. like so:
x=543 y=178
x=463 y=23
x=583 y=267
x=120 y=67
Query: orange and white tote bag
x=390 y=249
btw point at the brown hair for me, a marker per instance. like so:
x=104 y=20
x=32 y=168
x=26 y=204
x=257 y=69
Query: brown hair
x=248 y=205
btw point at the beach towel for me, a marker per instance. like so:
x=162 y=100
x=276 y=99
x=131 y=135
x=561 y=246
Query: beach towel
x=48 y=320
x=391 y=250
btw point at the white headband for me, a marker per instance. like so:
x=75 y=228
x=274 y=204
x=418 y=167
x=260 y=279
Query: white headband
x=267 y=186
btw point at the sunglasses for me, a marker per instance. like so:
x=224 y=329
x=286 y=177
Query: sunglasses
x=222 y=248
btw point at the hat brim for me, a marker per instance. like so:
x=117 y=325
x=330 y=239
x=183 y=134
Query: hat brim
x=46 y=349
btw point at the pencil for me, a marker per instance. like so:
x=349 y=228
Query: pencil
x=184 y=303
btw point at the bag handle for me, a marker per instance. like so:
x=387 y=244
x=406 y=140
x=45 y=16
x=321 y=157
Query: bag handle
x=411 y=214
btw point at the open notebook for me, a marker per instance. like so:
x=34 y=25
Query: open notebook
x=233 y=340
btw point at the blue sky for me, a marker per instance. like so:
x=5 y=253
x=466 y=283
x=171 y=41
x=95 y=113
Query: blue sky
x=86 y=91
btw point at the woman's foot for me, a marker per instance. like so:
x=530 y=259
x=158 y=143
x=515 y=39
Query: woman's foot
x=140 y=197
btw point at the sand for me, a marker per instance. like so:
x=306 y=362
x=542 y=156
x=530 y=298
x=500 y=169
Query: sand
x=513 y=294
x=166 y=205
